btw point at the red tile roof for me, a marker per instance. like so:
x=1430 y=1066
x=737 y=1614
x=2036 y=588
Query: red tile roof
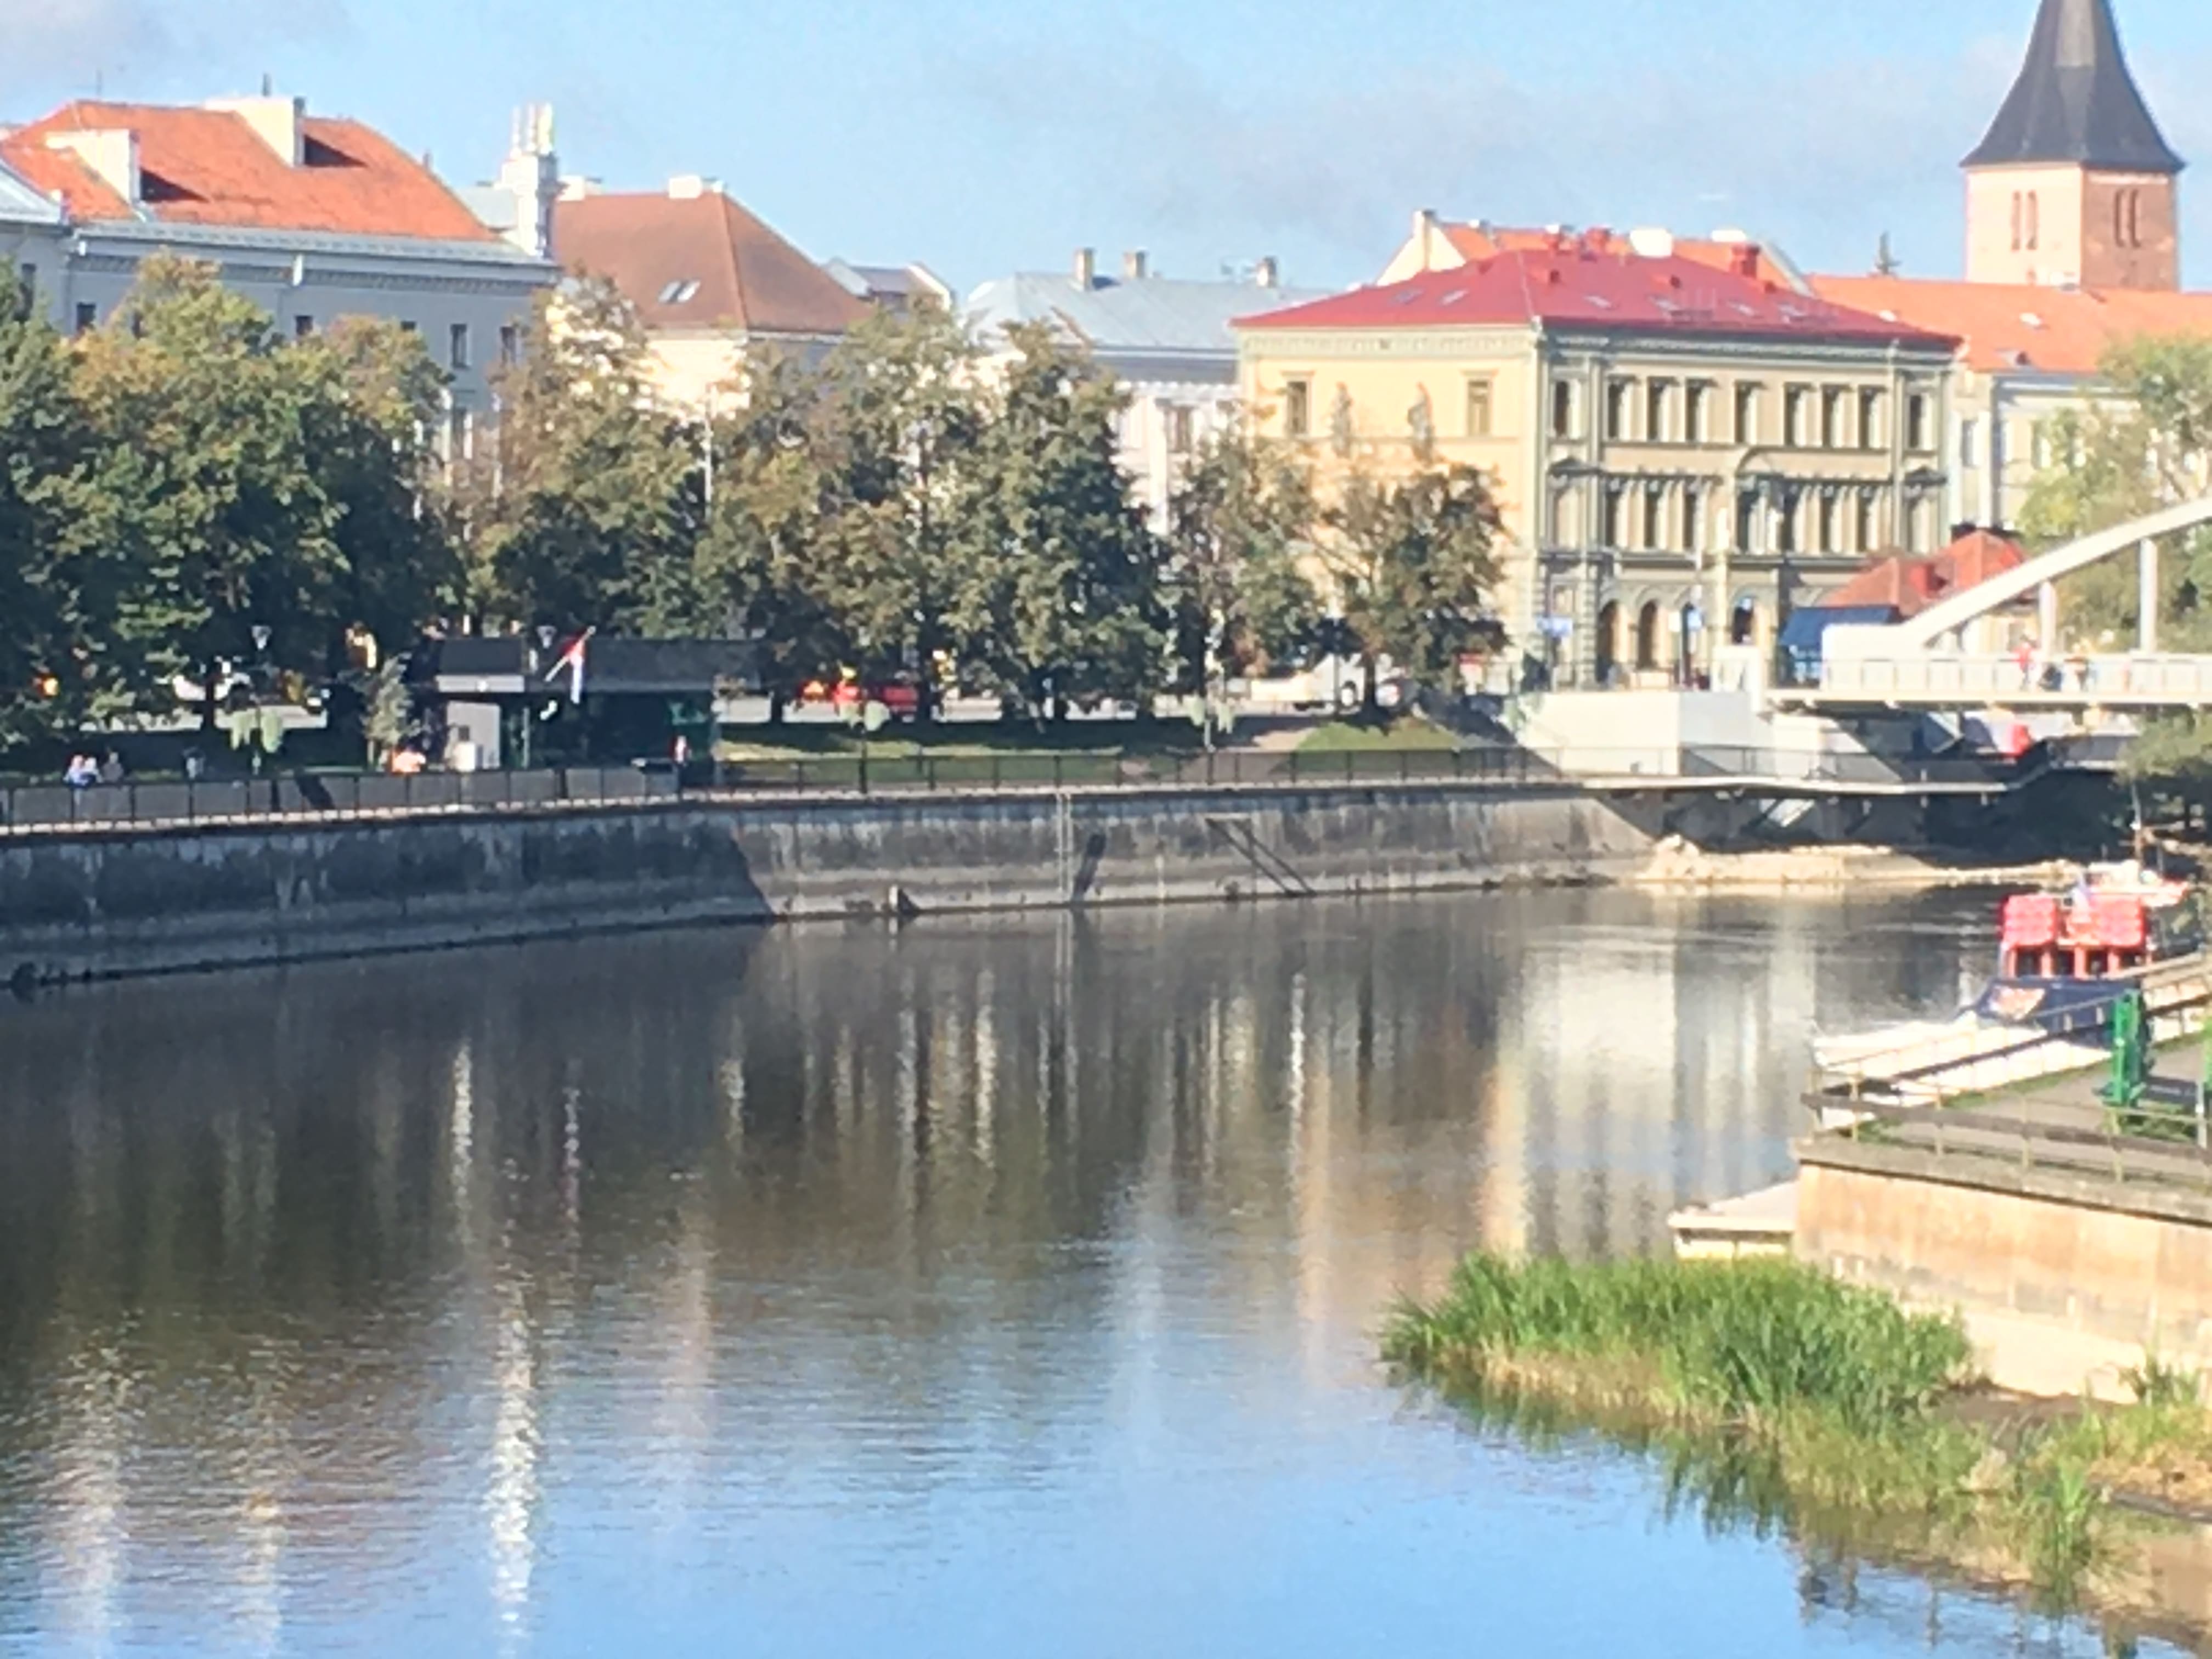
x=700 y=262
x=1596 y=282
x=208 y=167
x=1909 y=585
x=2058 y=331
x=1484 y=241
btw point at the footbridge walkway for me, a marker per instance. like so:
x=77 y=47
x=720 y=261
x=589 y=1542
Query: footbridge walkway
x=1922 y=663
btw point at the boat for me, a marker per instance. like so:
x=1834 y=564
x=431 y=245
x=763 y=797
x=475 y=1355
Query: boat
x=2066 y=956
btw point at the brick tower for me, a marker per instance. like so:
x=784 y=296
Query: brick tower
x=2073 y=185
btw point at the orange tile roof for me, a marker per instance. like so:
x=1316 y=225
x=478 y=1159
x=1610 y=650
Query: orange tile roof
x=2058 y=331
x=1908 y=584
x=207 y=166
x=1475 y=242
x=700 y=262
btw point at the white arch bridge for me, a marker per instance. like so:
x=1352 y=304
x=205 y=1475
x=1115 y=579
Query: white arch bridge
x=1923 y=663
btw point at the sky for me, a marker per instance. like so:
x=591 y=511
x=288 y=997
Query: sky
x=999 y=135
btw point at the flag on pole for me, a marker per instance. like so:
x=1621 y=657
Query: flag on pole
x=572 y=660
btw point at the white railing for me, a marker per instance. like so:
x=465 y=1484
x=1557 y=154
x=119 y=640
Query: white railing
x=2134 y=680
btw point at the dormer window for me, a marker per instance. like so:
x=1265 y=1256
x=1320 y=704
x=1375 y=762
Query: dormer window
x=682 y=291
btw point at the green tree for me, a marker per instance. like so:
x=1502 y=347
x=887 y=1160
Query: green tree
x=1061 y=591
x=373 y=398
x=896 y=434
x=1241 y=523
x=763 y=566
x=1415 y=564
x=45 y=639
x=2144 y=443
x=213 y=538
x=585 y=512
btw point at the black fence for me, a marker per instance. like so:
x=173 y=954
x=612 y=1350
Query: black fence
x=367 y=795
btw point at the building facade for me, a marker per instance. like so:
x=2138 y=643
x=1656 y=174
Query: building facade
x=711 y=282
x=1681 y=453
x=32 y=236
x=314 y=218
x=1169 y=341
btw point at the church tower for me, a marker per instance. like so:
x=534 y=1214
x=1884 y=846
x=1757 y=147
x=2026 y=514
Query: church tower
x=2074 y=185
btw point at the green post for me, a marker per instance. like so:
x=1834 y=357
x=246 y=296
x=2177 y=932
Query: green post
x=2130 y=1054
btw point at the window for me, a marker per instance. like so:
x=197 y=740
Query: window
x=1831 y=418
x=1696 y=407
x=2127 y=218
x=1869 y=533
x=1297 y=407
x=1970 y=438
x=1563 y=408
x=1178 y=417
x=2040 y=450
x=1655 y=516
x=1693 y=518
x=1870 y=435
x=1616 y=409
x=87 y=316
x=2019 y=222
x=1831 y=524
x=1747 y=414
x=1478 y=407
x=1658 y=395
x=1610 y=536
x=303 y=326
x=2034 y=221
x=1746 y=521
x=1797 y=431
x=26 y=283
x=408 y=327
x=457 y=351
x=1918 y=437
x=1785 y=524
x=510 y=343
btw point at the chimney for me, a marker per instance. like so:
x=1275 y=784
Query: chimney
x=1086 y=269
x=110 y=152
x=1426 y=230
x=690 y=187
x=1133 y=266
x=1267 y=273
x=1743 y=259
x=278 y=122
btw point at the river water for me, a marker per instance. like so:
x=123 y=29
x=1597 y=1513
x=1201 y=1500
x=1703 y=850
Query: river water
x=992 y=1288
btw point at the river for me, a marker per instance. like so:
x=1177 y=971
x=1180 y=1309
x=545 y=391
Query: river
x=990 y=1288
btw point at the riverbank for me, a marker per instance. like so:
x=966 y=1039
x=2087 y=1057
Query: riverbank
x=1777 y=1396
x=1679 y=864
x=117 y=902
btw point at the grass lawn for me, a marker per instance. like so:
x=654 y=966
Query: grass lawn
x=1407 y=733
x=960 y=739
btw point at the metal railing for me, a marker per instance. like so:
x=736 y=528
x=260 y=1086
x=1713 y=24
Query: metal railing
x=2173 y=680
x=50 y=806
x=2117 y=1150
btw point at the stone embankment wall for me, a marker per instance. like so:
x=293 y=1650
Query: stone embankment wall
x=149 y=901
x=2115 y=1263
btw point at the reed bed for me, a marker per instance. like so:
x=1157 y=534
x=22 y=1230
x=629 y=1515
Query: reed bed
x=1780 y=1397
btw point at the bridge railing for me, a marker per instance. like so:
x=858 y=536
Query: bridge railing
x=50 y=806
x=2171 y=679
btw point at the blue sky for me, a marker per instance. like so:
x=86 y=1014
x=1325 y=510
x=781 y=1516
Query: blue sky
x=993 y=135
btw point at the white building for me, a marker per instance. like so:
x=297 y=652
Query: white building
x=1167 y=340
x=314 y=217
x=32 y=236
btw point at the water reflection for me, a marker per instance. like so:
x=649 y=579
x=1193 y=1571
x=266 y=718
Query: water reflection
x=543 y=1297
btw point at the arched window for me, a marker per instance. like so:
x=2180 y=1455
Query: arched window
x=1608 y=641
x=1743 y=623
x=2034 y=218
x=2018 y=221
x=1647 y=635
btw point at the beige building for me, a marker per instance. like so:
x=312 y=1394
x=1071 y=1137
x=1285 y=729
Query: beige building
x=1683 y=450
x=710 y=281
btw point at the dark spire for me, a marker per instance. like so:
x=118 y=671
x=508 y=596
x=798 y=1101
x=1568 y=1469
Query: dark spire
x=2074 y=101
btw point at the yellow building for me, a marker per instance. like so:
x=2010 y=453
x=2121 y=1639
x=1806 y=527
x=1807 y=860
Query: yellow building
x=1683 y=450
